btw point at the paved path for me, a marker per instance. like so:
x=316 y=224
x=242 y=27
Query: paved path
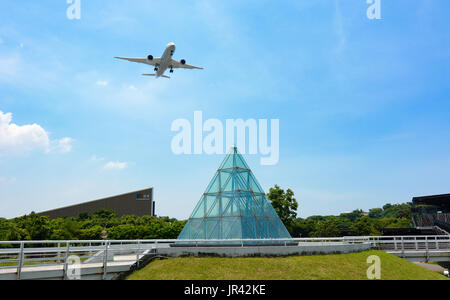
x=431 y=267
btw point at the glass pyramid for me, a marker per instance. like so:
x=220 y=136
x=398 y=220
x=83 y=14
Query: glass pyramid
x=234 y=206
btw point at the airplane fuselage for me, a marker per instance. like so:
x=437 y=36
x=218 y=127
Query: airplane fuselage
x=161 y=64
x=166 y=58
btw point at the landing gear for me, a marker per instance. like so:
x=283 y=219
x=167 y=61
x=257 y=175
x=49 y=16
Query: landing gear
x=156 y=69
x=171 y=70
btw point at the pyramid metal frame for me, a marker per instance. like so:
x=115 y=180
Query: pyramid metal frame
x=234 y=206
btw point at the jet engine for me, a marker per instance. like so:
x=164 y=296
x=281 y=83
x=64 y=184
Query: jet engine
x=183 y=61
x=150 y=57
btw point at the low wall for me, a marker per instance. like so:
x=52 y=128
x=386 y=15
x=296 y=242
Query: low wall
x=437 y=256
x=326 y=248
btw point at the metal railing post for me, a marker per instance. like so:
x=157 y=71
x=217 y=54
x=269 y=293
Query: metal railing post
x=138 y=252
x=105 y=261
x=58 y=255
x=403 y=246
x=21 y=256
x=65 y=277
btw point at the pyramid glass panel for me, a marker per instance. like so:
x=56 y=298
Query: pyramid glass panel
x=199 y=211
x=213 y=186
x=227 y=163
x=234 y=206
x=240 y=162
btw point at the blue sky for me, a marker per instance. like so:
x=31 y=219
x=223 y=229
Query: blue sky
x=363 y=104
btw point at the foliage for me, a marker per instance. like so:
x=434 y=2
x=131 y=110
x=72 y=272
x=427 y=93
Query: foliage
x=284 y=204
x=327 y=228
x=346 y=224
x=354 y=223
x=100 y=225
x=105 y=224
x=9 y=232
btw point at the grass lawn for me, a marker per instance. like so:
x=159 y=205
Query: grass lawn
x=320 y=267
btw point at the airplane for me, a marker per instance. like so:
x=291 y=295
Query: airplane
x=162 y=63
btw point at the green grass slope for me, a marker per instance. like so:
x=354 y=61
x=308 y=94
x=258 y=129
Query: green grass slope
x=320 y=267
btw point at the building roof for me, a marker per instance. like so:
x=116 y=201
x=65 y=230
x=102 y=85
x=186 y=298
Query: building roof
x=442 y=200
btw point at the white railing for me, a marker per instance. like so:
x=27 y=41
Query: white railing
x=57 y=254
x=29 y=254
x=411 y=243
x=16 y=256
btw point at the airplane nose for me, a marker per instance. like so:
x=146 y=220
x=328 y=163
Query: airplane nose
x=171 y=44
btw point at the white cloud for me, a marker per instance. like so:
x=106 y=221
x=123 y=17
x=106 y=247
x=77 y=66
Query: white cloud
x=95 y=158
x=21 y=139
x=102 y=83
x=116 y=165
x=63 y=145
x=16 y=139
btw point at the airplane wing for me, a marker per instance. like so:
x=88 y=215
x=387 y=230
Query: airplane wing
x=152 y=62
x=176 y=65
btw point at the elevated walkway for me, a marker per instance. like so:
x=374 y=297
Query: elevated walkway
x=95 y=260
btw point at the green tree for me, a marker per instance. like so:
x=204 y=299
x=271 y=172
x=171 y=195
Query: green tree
x=302 y=227
x=37 y=226
x=364 y=227
x=105 y=214
x=9 y=232
x=387 y=206
x=83 y=216
x=93 y=233
x=375 y=213
x=357 y=213
x=64 y=229
x=284 y=204
x=328 y=228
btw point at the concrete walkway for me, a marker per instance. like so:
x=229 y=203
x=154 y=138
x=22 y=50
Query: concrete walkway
x=87 y=271
x=431 y=267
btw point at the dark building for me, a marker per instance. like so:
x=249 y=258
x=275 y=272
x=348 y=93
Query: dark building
x=433 y=211
x=431 y=216
x=139 y=203
x=440 y=203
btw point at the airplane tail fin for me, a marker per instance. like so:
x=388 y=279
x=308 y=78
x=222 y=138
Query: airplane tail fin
x=165 y=76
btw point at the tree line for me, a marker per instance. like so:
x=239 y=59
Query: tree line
x=105 y=224
x=356 y=223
